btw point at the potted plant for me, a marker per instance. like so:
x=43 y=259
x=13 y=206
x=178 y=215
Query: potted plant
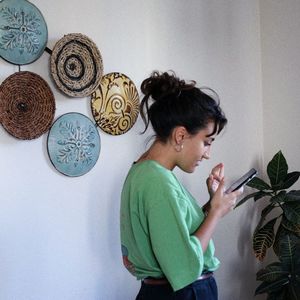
x=278 y=228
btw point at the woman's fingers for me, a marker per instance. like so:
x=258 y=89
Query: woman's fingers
x=218 y=171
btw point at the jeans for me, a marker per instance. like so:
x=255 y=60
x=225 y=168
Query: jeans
x=205 y=289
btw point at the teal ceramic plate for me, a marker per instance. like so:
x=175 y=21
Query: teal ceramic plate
x=23 y=32
x=73 y=144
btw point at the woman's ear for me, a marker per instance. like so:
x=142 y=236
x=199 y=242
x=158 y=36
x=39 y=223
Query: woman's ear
x=179 y=134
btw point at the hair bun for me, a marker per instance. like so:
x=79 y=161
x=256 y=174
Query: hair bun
x=162 y=85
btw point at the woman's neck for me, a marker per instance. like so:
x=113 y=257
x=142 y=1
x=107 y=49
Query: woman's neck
x=161 y=153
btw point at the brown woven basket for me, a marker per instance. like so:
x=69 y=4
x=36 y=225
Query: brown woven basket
x=27 y=105
x=76 y=65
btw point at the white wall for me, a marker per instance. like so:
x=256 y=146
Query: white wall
x=280 y=25
x=59 y=236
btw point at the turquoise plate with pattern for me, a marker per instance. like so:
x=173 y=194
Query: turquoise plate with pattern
x=23 y=32
x=73 y=144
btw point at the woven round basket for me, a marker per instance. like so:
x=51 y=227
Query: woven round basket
x=76 y=65
x=27 y=105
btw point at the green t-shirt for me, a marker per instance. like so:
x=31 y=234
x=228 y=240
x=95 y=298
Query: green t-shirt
x=158 y=218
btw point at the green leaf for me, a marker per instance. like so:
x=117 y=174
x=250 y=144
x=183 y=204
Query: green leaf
x=246 y=198
x=271 y=273
x=279 y=198
x=277 y=169
x=258 y=184
x=263 y=239
x=297 y=259
x=290 y=179
x=268 y=287
x=278 y=295
x=264 y=213
x=281 y=232
x=261 y=194
x=293 y=196
x=294 y=291
x=287 y=249
x=293 y=227
x=292 y=211
x=267 y=210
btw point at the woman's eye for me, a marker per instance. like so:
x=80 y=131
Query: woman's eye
x=206 y=144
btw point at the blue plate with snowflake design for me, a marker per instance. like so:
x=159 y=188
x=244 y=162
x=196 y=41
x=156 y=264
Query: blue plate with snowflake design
x=23 y=32
x=73 y=144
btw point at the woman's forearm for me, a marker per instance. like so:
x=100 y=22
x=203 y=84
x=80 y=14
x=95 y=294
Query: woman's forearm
x=206 y=229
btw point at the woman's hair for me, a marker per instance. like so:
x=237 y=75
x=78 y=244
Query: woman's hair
x=177 y=103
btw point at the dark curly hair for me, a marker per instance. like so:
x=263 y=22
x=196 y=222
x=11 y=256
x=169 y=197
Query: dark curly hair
x=178 y=103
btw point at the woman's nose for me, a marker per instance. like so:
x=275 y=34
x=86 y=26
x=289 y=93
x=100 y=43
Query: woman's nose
x=206 y=155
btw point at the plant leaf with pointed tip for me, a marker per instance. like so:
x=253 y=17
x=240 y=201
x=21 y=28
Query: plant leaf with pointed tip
x=263 y=239
x=268 y=287
x=267 y=210
x=258 y=184
x=246 y=198
x=293 y=196
x=293 y=227
x=278 y=295
x=281 y=232
x=272 y=272
x=290 y=179
x=277 y=169
x=294 y=291
x=261 y=194
x=279 y=198
x=256 y=196
x=292 y=211
x=264 y=213
x=288 y=245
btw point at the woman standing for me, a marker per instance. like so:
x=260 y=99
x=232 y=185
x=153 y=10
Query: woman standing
x=165 y=235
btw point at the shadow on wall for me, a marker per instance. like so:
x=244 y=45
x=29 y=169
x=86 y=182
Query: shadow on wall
x=249 y=264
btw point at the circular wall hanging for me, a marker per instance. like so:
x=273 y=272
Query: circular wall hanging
x=115 y=104
x=27 y=105
x=23 y=32
x=73 y=144
x=76 y=65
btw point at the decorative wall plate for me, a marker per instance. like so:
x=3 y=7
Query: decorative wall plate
x=23 y=32
x=76 y=65
x=73 y=144
x=115 y=104
x=27 y=105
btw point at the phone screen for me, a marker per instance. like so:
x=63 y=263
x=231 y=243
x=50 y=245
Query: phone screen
x=242 y=181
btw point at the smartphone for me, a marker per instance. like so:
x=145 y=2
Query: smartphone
x=242 y=181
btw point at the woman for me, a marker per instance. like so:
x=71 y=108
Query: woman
x=165 y=235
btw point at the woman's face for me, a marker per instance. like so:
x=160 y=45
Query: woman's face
x=196 y=148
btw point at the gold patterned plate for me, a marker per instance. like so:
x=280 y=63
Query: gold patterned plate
x=115 y=104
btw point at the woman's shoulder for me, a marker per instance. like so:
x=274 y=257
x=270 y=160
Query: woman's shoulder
x=154 y=184
x=150 y=169
x=149 y=173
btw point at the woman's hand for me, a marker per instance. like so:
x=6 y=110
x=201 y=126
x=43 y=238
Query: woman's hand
x=215 y=177
x=222 y=203
x=212 y=182
x=219 y=205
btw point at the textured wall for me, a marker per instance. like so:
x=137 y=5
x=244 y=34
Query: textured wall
x=59 y=236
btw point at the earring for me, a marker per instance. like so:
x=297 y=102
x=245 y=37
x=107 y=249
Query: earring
x=178 y=147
